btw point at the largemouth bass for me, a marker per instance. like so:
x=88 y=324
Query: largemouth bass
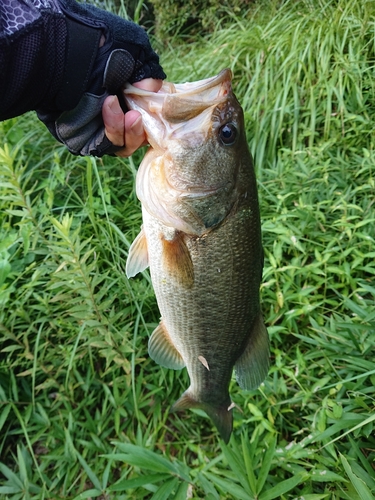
x=201 y=239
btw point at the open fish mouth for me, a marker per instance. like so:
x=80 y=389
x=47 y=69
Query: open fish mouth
x=192 y=99
x=191 y=89
x=179 y=110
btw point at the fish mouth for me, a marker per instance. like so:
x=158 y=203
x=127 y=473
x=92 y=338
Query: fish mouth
x=187 y=89
x=166 y=113
x=190 y=89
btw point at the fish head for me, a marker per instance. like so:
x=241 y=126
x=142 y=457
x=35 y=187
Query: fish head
x=195 y=171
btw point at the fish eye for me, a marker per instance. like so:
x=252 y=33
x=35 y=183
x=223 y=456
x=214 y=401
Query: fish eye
x=228 y=134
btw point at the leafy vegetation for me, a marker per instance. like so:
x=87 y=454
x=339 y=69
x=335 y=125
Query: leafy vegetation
x=83 y=410
x=181 y=18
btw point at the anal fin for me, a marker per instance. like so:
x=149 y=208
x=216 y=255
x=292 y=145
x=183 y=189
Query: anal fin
x=162 y=350
x=252 y=366
x=138 y=256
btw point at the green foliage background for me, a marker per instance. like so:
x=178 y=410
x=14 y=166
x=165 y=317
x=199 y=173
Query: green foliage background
x=83 y=410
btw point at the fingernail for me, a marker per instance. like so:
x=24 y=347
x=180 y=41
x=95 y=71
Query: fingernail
x=137 y=127
x=115 y=106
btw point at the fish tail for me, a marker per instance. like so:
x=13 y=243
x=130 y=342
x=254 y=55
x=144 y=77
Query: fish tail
x=221 y=416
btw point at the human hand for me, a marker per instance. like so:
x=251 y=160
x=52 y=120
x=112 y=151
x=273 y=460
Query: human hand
x=126 y=129
x=104 y=52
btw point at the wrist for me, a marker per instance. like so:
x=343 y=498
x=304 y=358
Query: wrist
x=82 y=47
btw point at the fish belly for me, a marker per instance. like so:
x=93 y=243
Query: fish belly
x=209 y=316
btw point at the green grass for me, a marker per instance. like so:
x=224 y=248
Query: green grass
x=83 y=410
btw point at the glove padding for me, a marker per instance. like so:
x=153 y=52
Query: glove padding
x=82 y=129
x=93 y=73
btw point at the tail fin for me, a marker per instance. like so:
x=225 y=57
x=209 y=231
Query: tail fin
x=220 y=415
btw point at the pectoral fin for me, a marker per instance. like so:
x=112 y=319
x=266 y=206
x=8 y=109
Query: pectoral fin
x=177 y=260
x=252 y=367
x=162 y=350
x=138 y=256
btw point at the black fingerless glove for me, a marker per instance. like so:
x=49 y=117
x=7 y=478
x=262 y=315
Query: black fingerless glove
x=92 y=73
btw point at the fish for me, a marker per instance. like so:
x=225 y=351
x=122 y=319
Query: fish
x=201 y=239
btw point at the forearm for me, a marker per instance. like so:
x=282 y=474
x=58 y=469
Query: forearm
x=31 y=62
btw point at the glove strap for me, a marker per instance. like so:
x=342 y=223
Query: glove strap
x=82 y=48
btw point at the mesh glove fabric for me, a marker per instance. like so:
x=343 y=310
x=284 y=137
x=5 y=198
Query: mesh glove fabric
x=92 y=73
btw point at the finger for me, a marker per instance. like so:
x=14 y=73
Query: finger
x=113 y=118
x=123 y=129
x=127 y=130
x=150 y=84
x=135 y=136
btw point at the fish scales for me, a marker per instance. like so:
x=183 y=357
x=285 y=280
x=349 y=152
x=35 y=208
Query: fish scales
x=204 y=253
x=225 y=280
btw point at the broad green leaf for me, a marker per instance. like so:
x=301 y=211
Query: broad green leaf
x=125 y=484
x=10 y=489
x=19 y=213
x=4 y=414
x=363 y=459
x=91 y=475
x=236 y=463
x=283 y=487
x=207 y=486
x=182 y=491
x=11 y=476
x=106 y=474
x=368 y=479
x=229 y=487
x=147 y=459
x=266 y=464
x=249 y=462
x=163 y=492
x=325 y=476
x=361 y=488
x=91 y=493
x=314 y=496
x=5 y=269
x=22 y=465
